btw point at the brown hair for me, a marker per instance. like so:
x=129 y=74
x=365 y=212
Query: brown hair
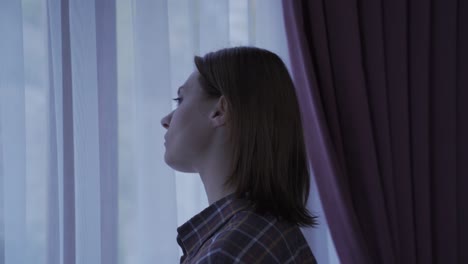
x=270 y=163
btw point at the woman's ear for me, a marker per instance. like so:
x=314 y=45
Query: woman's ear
x=219 y=116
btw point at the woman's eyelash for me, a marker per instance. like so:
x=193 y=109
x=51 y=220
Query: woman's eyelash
x=178 y=100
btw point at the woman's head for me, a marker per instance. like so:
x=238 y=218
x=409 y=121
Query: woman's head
x=261 y=122
x=195 y=128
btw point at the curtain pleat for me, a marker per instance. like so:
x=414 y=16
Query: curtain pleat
x=67 y=196
x=213 y=36
x=443 y=101
x=155 y=181
x=13 y=135
x=346 y=61
x=462 y=131
x=273 y=40
x=55 y=180
x=84 y=94
x=106 y=48
x=374 y=57
x=83 y=179
x=419 y=48
x=323 y=163
x=238 y=24
x=399 y=181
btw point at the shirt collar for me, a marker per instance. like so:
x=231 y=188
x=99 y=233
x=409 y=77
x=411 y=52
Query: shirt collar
x=199 y=228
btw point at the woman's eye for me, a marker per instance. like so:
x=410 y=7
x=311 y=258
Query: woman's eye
x=178 y=100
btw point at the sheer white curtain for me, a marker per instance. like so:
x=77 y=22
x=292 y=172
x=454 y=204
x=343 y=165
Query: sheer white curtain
x=83 y=86
x=12 y=131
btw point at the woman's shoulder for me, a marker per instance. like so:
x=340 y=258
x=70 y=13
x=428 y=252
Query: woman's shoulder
x=251 y=237
x=253 y=222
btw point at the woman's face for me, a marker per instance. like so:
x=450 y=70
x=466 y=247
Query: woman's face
x=189 y=127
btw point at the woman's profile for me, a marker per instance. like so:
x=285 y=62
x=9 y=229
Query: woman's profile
x=238 y=125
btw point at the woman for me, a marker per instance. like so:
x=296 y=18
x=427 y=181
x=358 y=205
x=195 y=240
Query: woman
x=238 y=125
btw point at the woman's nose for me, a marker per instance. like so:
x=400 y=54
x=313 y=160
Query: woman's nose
x=165 y=122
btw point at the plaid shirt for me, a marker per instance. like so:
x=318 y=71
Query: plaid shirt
x=228 y=231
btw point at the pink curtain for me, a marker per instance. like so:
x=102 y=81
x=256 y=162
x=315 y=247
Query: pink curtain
x=383 y=88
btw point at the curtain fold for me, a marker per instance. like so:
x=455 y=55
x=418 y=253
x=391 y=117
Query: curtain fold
x=12 y=133
x=106 y=49
x=157 y=207
x=381 y=86
x=319 y=144
x=83 y=160
x=462 y=130
x=85 y=125
x=56 y=165
x=212 y=36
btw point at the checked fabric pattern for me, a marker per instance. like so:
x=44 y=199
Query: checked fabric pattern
x=229 y=231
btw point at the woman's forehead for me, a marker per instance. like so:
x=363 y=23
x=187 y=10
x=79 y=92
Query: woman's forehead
x=192 y=82
x=195 y=77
